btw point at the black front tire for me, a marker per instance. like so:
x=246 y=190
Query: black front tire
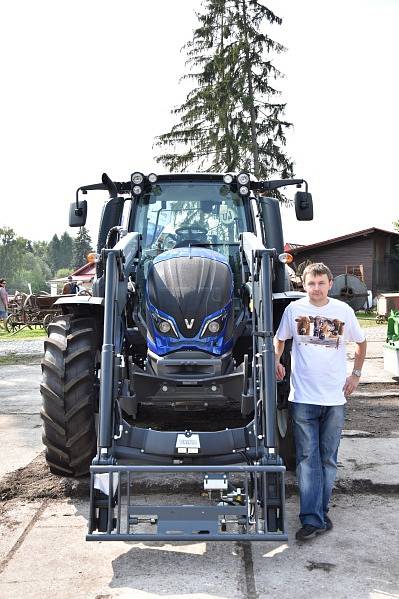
x=69 y=395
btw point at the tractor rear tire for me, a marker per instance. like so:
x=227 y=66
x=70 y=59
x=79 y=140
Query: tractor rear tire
x=69 y=394
x=285 y=427
x=286 y=442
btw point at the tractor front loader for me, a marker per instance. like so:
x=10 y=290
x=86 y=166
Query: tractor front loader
x=190 y=287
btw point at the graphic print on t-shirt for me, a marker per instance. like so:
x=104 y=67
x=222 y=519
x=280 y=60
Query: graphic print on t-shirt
x=320 y=330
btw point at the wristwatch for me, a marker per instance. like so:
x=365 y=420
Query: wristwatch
x=357 y=372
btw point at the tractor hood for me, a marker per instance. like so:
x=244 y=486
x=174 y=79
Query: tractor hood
x=189 y=302
x=189 y=284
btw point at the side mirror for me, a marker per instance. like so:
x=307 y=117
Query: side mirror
x=78 y=214
x=303 y=205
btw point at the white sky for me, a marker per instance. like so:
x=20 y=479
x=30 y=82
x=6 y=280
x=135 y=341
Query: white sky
x=88 y=84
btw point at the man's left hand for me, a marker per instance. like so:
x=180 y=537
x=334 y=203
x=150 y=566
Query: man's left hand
x=351 y=384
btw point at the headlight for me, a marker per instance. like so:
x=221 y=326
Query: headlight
x=243 y=191
x=228 y=179
x=243 y=178
x=213 y=326
x=137 y=178
x=164 y=326
x=137 y=190
x=152 y=177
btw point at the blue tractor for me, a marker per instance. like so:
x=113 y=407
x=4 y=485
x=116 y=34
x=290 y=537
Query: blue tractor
x=191 y=282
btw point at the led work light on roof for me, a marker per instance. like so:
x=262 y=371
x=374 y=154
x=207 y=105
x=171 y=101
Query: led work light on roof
x=152 y=177
x=243 y=190
x=137 y=178
x=243 y=179
x=137 y=190
x=228 y=179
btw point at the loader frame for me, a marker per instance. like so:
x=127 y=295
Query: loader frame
x=254 y=443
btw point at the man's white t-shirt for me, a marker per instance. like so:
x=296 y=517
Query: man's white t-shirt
x=318 y=360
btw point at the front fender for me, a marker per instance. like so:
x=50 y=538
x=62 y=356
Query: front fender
x=84 y=300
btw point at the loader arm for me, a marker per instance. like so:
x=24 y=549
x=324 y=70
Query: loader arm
x=118 y=264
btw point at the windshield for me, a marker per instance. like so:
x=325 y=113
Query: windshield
x=184 y=213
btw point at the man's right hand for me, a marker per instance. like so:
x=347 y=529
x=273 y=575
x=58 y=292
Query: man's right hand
x=280 y=371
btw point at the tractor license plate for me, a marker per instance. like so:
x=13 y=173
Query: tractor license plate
x=186 y=444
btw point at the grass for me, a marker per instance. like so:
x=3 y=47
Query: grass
x=369 y=315
x=367 y=319
x=13 y=358
x=36 y=333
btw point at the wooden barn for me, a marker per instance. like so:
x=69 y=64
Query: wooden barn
x=371 y=254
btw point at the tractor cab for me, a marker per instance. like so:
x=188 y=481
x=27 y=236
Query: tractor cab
x=191 y=213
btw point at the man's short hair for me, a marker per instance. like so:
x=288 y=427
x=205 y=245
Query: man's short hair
x=69 y=278
x=317 y=269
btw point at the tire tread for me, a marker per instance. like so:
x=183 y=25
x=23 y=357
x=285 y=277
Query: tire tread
x=68 y=394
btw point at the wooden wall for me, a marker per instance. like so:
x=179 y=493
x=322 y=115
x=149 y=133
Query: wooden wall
x=375 y=251
x=337 y=255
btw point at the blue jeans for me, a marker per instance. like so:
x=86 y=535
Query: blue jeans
x=317 y=431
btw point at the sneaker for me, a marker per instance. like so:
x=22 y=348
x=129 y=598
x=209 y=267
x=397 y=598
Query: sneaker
x=329 y=524
x=308 y=532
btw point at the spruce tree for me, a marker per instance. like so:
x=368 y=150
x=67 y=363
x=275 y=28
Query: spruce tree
x=54 y=254
x=66 y=246
x=231 y=120
x=81 y=247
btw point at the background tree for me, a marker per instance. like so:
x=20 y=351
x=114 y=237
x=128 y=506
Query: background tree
x=55 y=254
x=81 y=247
x=231 y=120
x=66 y=247
x=12 y=251
x=20 y=264
x=40 y=249
x=62 y=273
x=35 y=272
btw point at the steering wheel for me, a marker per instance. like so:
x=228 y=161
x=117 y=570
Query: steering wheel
x=191 y=235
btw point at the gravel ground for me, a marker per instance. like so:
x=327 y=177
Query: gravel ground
x=27 y=347
x=377 y=333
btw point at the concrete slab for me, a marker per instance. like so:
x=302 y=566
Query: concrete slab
x=373 y=460
x=13 y=522
x=20 y=424
x=364 y=464
x=55 y=560
x=358 y=558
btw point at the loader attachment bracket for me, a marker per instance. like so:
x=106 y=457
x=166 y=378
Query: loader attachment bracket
x=241 y=502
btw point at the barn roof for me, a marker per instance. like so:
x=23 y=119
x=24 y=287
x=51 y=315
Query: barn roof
x=362 y=233
x=84 y=274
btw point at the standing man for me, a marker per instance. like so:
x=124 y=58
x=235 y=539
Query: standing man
x=319 y=327
x=3 y=302
x=69 y=287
